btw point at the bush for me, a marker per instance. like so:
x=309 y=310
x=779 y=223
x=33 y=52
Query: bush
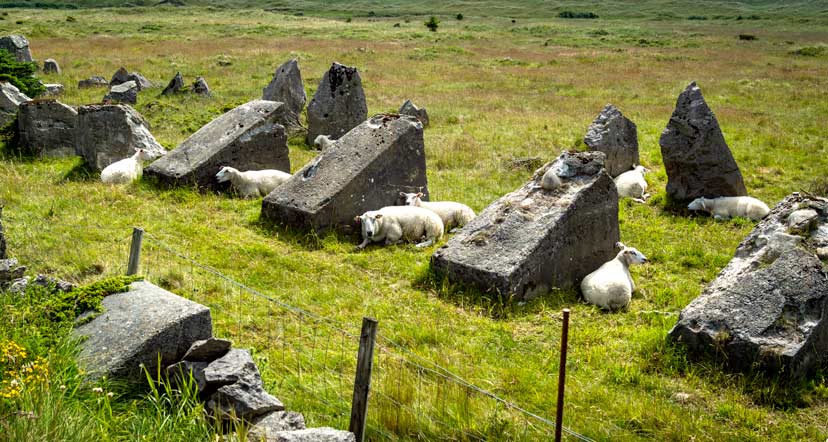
x=20 y=74
x=697 y=17
x=459 y=16
x=432 y=24
x=810 y=51
x=747 y=37
x=570 y=14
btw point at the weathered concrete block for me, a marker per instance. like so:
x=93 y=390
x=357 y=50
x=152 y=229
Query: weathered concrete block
x=263 y=428
x=322 y=434
x=365 y=170
x=616 y=136
x=420 y=113
x=287 y=87
x=48 y=128
x=338 y=105
x=768 y=308
x=136 y=327
x=533 y=239
x=111 y=132
x=18 y=46
x=249 y=137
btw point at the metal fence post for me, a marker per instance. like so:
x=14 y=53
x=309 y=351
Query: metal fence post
x=135 y=251
x=562 y=376
x=362 y=382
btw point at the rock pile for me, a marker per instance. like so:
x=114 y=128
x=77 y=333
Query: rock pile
x=338 y=105
x=616 y=136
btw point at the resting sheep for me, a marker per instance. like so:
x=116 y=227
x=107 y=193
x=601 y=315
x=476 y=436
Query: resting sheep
x=632 y=184
x=252 y=183
x=452 y=214
x=127 y=170
x=395 y=223
x=725 y=207
x=611 y=286
x=323 y=142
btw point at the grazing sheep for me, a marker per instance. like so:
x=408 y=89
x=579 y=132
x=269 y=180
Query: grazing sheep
x=725 y=207
x=632 y=184
x=127 y=170
x=452 y=214
x=395 y=223
x=323 y=142
x=252 y=183
x=611 y=286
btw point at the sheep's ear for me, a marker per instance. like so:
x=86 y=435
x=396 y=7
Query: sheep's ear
x=420 y=194
x=357 y=219
x=402 y=194
x=619 y=245
x=378 y=216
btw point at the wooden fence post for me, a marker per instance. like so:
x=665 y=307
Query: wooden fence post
x=362 y=382
x=135 y=251
x=562 y=376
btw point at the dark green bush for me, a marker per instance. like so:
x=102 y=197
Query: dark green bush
x=459 y=16
x=432 y=24
x=696 y=17
x=20 y=74
x=570 y=14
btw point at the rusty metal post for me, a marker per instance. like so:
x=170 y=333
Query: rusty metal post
x=562 y=376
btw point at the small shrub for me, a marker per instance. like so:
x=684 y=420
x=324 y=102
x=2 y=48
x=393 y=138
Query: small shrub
x=432 y=24
x=747 y=37
x=697 y=17
x=810 y=51
x=20 y=74
x=580 y=15
x=71 y=19
x=348 y=20
x=459 y=16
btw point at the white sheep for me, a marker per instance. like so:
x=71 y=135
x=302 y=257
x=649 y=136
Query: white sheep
x=127 y=170
x=396 y=223
x=451 y=213
x=725 y=207
x=252 y=183
x=632 y=184
x=323 y=142
x=611 y=286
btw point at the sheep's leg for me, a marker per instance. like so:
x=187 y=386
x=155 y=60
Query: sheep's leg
x=455 y=230
x=718 y=217
x=639 y=200
x=426 y=243
x=363 y=244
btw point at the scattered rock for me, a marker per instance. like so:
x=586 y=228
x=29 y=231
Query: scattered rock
x=263 y=428
x=338 y=105
x=50 y=66
x=9 y=271
x=11 y=97
x=111 y=132
x=249 y=137
x=768 y=309
x=696 y=157
x=136 y=327
x=236 y=365
x=175 y=86
x=323 y=434
x=93 y=82
x=47 y=127
x=207 y=350
x=16 y=45
x=122 y=76
x=616 y=136
x=200 y=87
x=53 y=89
x=180 y=371
x=533 y=239
x=244 y=401
x=408 y=108
x=124 y=93
x=801 y=222
x=287 y=87
x=59 y=284
x=365 y=170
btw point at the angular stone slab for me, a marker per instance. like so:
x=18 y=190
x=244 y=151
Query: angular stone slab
x=264 y=428
x=249 y=137
x=10 y=97
x=51 y=66
x=322 y=434
x=10 y=271
x=122 y=76
x=200 y=87
x=18 y=46
x=616 y=136
x=696 y=158
x=338 y=105
x=365 y=170
x=136 y=327
x=287 y=87
x=126 y=92
x=175 y=85
x=420 y=113
x=245 y=401
x=207 y=350
x=178 y=372
x=53 y=89
x=93 y=81
x=111 y=132
x=237 y=365
x=48 y=128
x=768 y=308
x=533 y=239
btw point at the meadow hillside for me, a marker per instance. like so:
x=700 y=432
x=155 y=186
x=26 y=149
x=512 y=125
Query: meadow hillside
x=509 y=81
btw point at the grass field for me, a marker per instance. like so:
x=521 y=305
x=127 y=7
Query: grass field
x=496 y=90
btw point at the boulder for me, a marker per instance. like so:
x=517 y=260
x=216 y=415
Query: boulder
x=11 y=97
x=287 y=87
x=207 y=350
x=136 y=328
x=696 y=157
x=323 y=434
x=94 y=81
x=338 y=105
x=175 y=86
x=534 y=239
x=53 y=89
x=200 y=87
x=249 y=137
x=236 y=365
x=409 y=108
x=51 y=66
x=17 y=45
x=365 y=170
x=242 y=400
x=263 y=428
x=111 y=132
x=768 y=308
x=10 y=271
x=122 y=76
x=123 y=93
x=616 y=136
x=47 y=127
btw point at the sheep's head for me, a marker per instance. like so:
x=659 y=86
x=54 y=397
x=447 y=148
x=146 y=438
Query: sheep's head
x=144 y=155
x=370 y=223
x=641 y=169
x=630 y=255
x=698 y=204
x=411 y=199
x=224 y=174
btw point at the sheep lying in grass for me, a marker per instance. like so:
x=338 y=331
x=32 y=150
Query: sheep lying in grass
x=725 y=207
x=453 y=215
x=611 y=286
x=632 y=184
x=127 y=170
x=396 y=223
x=252 y=183
x=323 y=142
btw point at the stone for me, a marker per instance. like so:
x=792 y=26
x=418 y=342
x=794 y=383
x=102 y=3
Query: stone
x=365 y=170
x=50 y=66
x=287 y=87
x=249 y=137
x=533 y=239
x=59 y=284
x=616 y=136
x=179 y=372
x=2 y=236
x=175 y=86
x=263 y=428
x=696 y=158
x=801 y=222
x=243 y=401
x=11 y=97
x=322 y=434
x=122 y=76
x=53 y=89
x=207 y=350
x=768 y=308
x=94 y=81
x=338 y=105
x=200 y=87
x=47 y=128
x=18 y=46
x=236 y=365
x=10 y=271
x=123 y=93
x=420 y=113
x=111 y=132
x=138 y=326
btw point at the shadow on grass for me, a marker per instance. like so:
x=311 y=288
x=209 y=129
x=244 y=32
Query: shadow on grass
x=81 y=172
x=308 y=239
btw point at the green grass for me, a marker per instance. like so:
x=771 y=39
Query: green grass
x=495 y=91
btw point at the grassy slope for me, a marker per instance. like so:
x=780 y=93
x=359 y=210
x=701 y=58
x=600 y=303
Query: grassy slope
x=495 y=91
